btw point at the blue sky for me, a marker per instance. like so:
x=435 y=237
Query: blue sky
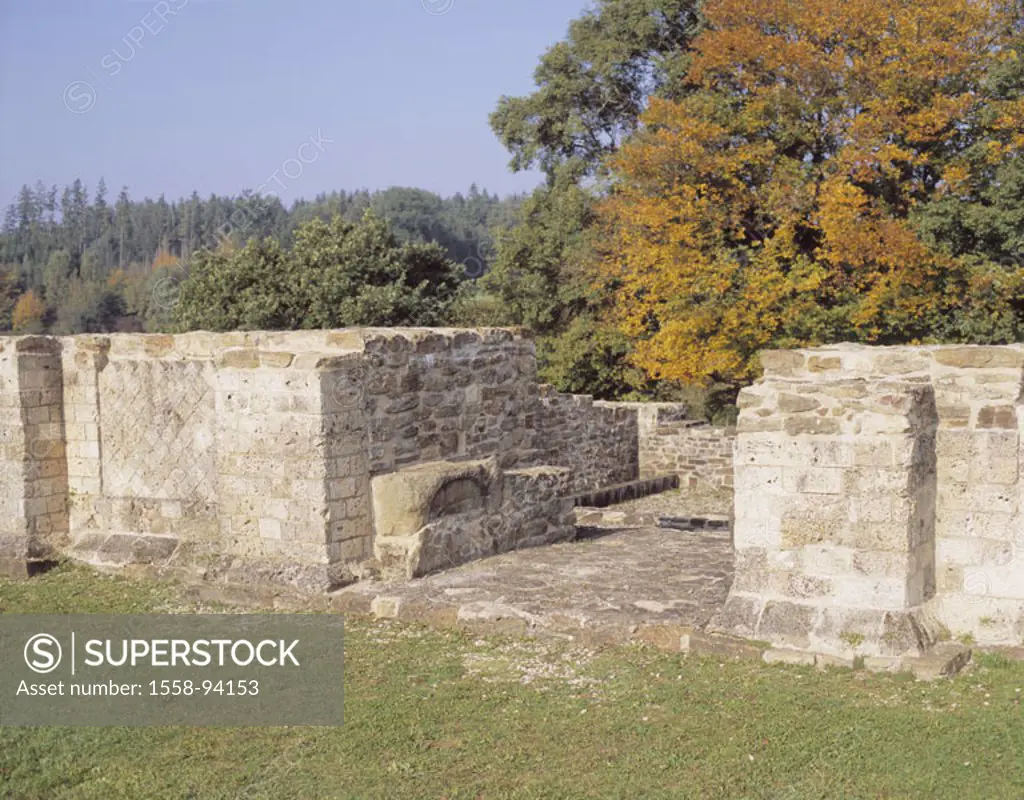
x=218 y=95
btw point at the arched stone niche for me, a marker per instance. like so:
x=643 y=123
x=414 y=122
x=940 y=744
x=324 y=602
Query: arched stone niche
x=457 y=496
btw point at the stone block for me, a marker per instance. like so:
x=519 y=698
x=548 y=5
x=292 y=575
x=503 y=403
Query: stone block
x=787 y=624
x=944 y=660
x=1000 y=417
x=812 y=425
x=721 y=646
x=813 y=480
x=824 y=363
x=782 y=363
x=979 y=357
x=794 y=403
x=792 y=657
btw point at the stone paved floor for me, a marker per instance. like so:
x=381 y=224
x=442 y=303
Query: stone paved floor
x=680 y=503
x=609 y=585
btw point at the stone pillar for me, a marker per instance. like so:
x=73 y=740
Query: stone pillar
x=344 y=393
x=979 y=522
x=33 y=474
x=271 y=466
x=84 y=357
x=834 y=510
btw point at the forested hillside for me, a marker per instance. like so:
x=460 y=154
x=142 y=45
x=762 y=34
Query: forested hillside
x=76 y=260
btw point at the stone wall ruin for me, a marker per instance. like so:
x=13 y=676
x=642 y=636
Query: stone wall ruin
x=268 y=457
x=878 y=500
x=878 y=491
x=673 y=444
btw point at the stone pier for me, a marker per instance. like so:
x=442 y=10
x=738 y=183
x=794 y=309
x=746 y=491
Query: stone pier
x=877 y=504
x=33 y=468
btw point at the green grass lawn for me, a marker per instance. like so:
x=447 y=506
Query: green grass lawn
x=445 y=715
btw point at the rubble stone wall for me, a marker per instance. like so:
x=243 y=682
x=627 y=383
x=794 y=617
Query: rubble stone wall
x=598 y=441
x=671 y=443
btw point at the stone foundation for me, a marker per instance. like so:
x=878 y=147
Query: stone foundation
x=877 y=490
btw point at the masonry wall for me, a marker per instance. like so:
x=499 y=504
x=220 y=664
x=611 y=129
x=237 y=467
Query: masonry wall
x=416 y=397
x=670 y=443
x=886 y=476
x=200 y=451
x=700 y=454
x=446 y=394
x=249 y=457
x=598 y=441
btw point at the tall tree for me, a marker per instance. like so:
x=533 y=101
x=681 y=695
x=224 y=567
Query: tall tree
x=591 y=90
x=10 y=290
x=28 y=313
x=774 y=205
x=593 y=86
x=139 y=250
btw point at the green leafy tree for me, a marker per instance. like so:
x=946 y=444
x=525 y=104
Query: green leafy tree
x=979 y=219
x=593 y=86
x=29 y=314
x=591 y=91
x=415 y=215
x=338 y=274
x=88 y=308
x=57 y=275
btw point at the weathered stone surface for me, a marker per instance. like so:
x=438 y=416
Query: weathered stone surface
x=783 y=363
x=791 y=403
x=788 y=624
x=598 y=441
x=824 y=363
x=979 y=357
x=997 y=417
x=944 y=660
x=261 y=448
x=438 y=515
x=740 y=616
x=883 y=480
x=700 y=455
x=646 y=584
x=669 y=638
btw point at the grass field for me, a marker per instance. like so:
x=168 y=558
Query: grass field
x=445 y=715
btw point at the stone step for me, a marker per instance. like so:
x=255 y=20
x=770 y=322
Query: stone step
x=620 y=493
x=708 y=523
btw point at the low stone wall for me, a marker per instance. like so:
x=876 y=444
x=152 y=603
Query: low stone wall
x=878 y=499
x=251 y=457
x=670 y=443
x=701 y=455
x=438 y=515
x=598 y=441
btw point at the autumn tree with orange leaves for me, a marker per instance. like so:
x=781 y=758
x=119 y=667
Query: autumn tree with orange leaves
x=775 y=204
x=28 y=313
